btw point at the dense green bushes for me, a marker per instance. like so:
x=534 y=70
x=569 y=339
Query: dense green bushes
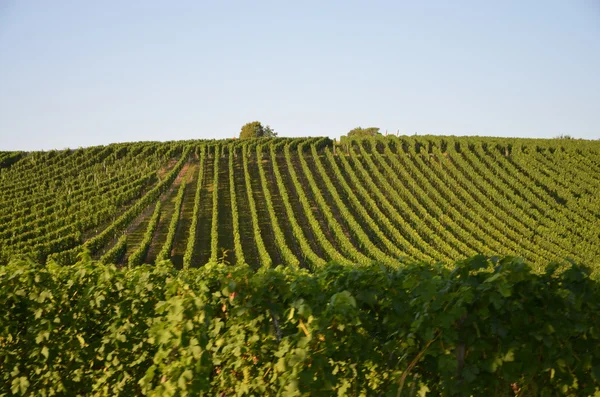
x=488 y=326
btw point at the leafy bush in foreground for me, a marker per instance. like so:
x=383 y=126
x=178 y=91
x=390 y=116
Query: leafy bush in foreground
x=487 y=326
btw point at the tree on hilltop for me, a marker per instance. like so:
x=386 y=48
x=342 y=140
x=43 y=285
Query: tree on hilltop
x=255 y=129
x=363 y=132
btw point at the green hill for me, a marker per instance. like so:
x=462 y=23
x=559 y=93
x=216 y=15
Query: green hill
x=305 y=202
x=226 y=320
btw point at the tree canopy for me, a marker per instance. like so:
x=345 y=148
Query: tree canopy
x=359 y=132
x=255 y=129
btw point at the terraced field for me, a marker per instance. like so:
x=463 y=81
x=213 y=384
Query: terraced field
x=304 y=202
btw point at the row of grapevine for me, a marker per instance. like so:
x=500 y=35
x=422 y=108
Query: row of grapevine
x=191 y=242
x=288 y=256
x=117 y=252
x=319 y=234
x=165 y=252
x=46 y=179
x=139 y=255
x=73 y=199
x=308 y=254
x=479 y=200
x=334 y=225
x=559 y=224
x=542 y=191
x=237 y=239
x=40 y=167
x=424 y=208
x=519 y=204
x=403 y=234
x=355 y=227
x=82 y=217
x=400 y=208
x=570 y=173
x=462 y=211
x=431 y=201
x=43 y=229
x=264 y=256
x=460 y=232
x=515 y=213
x=368 y=210
x=96 y=243
x=22 y=195
x=306 y=201
x=214 y=230
x=421 y=169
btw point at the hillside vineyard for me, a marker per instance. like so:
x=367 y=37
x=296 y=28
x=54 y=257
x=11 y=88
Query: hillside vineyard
x=304 y=202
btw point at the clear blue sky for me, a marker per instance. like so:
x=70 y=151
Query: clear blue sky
x=81 y=73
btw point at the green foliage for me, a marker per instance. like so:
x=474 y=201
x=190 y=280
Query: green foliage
x=365 y=209
x=309 y=255
x=264 y=256
x=359 y=132
x=214 y=231
x=489 y=326
x=255 y=129
x=237 y=238
x=116 y=253
x=138 y=256
x=319 y=234
x=375 y=198
x=288 y=256
x=191 y=242
x=9 y=158
x=54 y=201
x=96 y=243
x=334 y=224
x=165 y=252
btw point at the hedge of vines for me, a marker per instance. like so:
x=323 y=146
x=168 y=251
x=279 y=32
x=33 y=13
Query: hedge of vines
x=484 y=326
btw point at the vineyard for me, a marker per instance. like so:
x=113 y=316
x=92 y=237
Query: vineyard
x=304 y=202
x=391 y=266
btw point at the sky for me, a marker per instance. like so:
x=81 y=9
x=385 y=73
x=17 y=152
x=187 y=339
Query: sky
x=83 y=73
